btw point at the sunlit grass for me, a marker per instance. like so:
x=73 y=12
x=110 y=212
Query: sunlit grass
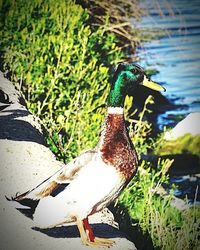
x=60 y=65
x=148 y=203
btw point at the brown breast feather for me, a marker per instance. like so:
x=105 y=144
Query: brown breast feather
x=117 y=148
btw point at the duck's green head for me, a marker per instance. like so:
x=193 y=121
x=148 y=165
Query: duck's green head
x=128 y=76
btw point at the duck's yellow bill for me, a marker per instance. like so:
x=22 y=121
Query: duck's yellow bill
x=152 y=85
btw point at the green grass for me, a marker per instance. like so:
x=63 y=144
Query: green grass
x=186 y=144
x=147 y=203
x=60 y=65
x=168 y=227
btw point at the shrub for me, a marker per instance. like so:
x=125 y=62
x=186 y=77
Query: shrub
x=187 y=144
x=61 y=66
x=148 y=204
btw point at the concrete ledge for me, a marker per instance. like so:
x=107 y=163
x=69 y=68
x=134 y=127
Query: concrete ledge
x=25 y=162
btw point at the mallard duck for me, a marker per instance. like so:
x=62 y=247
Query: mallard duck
x=95 y=178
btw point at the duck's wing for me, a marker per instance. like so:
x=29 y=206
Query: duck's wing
x=59 y=180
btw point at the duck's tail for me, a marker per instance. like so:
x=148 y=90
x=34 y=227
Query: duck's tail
x=24 y=205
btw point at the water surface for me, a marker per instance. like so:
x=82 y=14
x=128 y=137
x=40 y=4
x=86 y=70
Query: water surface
x=175 y=55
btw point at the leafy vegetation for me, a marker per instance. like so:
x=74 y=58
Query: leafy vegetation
x=145 y=199
x=119 y=14
x=61 y=66
x=60 y=63
x=185 y=144
x=139 y=130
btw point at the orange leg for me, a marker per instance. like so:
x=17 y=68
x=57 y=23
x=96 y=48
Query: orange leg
x=88 y=238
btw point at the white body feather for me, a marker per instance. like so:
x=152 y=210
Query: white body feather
x=92 y=189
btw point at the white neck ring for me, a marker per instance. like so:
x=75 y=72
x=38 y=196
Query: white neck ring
x=115 y=110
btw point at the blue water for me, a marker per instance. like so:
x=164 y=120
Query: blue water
x=175 y=55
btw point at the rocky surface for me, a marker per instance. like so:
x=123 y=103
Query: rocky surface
x=189 y=125
x=25 y=162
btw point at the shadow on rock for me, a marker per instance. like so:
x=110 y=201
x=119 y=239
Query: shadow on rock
x=131 y=228
x=13 y=127
x=100 y=230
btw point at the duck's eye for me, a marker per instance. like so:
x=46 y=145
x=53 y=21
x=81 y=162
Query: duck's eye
x=134 y=70
x=141 y=78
